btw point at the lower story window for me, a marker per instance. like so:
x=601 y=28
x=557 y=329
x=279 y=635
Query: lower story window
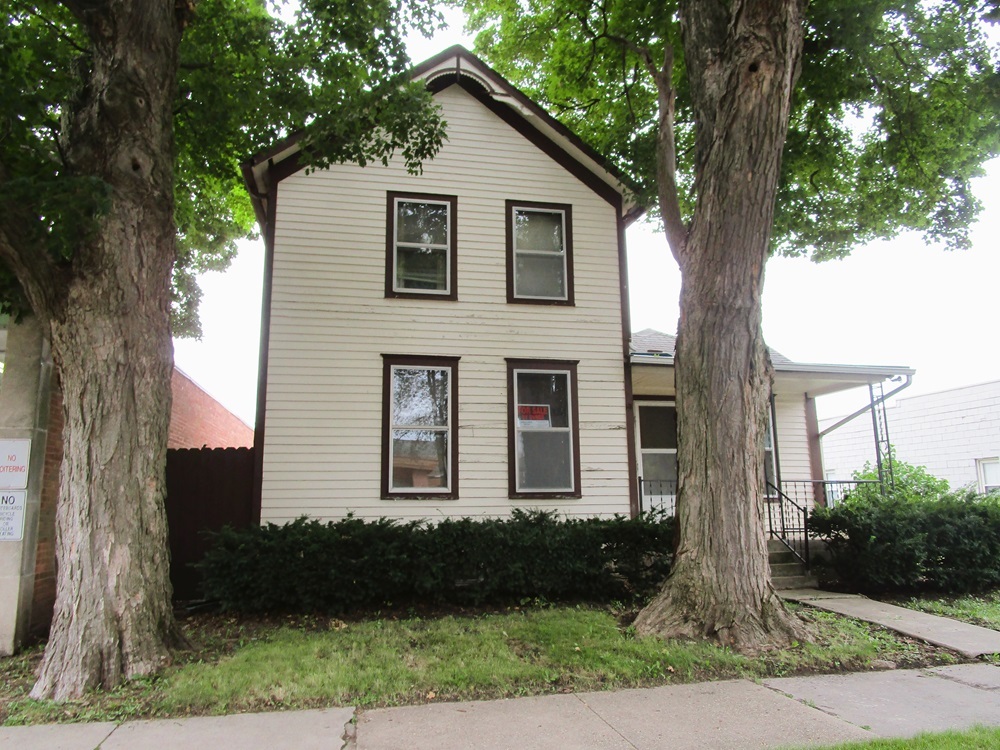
x=544 y=429
x=420 y=447
x=989 y=474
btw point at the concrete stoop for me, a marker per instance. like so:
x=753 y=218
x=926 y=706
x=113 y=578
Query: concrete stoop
x=786 y=571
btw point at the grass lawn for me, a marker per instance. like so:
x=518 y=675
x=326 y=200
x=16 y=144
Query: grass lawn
x=979 y=738
x=979 y=610
x=240 y=664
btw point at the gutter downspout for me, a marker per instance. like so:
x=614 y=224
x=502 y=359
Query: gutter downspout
x=863 y=409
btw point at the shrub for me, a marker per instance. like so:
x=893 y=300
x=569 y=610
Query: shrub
x=905 y=543
x=338 y=566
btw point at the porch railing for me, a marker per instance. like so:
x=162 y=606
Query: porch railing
x=657 y=495
x=829 y=492
x=788 y=522
x=787 y=507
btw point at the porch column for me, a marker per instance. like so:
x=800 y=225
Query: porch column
x=24 y=418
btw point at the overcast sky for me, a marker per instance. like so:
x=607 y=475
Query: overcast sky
x=890 y=303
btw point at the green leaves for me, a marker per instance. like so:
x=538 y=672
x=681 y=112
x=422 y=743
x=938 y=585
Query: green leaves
x=246 y=79
x=895 y=112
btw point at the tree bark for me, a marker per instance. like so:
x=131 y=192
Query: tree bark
x=742 y=60
x=110 y=336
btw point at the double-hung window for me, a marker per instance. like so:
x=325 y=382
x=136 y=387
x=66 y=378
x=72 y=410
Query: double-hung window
x=420 y=444
x=421 y=247
x=543 y=429
x=539 y=253
x=989 y=474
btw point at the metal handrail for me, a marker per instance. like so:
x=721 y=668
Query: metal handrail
x=795 y=538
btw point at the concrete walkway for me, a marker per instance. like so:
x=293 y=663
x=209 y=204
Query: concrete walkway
x=969 y=640
x=736 y=714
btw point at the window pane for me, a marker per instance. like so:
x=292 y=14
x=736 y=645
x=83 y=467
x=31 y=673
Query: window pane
x=769 y=476
x=657 y=427
x=419 y=459
x=420 y=397
x=538 y=230
x=991 y=475
x=539 y=276
x=544 y=461
x=659 y=467
x=550 y=389
x=422 y=222
x=421 y=268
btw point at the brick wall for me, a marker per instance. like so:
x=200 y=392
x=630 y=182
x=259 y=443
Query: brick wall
x=197 y=420
x=945 y=432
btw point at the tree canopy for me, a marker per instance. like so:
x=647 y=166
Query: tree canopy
x=122 y=129
x=895 y=110
x=247 y=77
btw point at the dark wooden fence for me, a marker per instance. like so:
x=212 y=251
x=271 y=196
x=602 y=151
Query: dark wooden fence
x=207 y=489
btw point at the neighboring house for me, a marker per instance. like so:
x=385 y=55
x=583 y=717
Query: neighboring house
x=31 y=409
x=954 y=433
x=456 y=343
x=199 y=421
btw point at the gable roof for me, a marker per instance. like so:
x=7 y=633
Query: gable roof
x=457 y=66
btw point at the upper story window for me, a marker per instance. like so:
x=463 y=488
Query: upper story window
x=420 y=245
x=539 y=253
x=543 y=430
x=420 y=447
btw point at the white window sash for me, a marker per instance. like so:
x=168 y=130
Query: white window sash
x=394 y=426
x=397 y=244
x=540 y=253
x=518 y=430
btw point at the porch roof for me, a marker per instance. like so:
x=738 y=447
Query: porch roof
x=654 y=349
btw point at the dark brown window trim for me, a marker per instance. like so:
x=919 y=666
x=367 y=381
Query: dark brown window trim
x=567 y=210
x=542 y=364
x=416 y=360
x=390 y=246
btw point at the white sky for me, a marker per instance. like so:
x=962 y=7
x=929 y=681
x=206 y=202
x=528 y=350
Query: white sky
x=890 y=303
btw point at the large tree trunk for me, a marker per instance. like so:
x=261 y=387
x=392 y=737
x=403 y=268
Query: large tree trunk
x=110 y=336
x=742 y=61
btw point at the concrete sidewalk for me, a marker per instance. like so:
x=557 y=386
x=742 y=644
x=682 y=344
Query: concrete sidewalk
x=969 y=640
x=736 y=715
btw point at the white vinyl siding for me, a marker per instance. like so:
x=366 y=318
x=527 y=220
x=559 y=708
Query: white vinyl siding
x=331 y=323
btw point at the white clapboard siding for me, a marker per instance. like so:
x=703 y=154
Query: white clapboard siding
x=793 y=438
x=330 y=323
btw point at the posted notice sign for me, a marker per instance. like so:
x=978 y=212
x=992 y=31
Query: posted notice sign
x=14 y=464
x=12 y=515
x=533 y=415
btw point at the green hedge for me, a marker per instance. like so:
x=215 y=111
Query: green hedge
x=949 y=545
x=308 y=566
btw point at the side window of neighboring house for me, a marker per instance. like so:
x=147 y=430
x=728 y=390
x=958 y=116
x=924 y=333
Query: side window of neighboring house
x=539 y=253
x=989 y=474
x=419 y=440
x=421 y=247
x=543 y=429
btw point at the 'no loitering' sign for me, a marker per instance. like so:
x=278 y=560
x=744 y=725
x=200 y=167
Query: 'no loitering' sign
x=14 y=456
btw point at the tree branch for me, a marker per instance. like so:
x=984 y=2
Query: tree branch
x=34 y=268
x=666 y=156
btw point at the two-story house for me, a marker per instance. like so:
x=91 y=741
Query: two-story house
x=456 y=343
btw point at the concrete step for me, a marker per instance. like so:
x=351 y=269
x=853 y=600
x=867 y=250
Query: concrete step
x=794 y=582
x=787 y=569
x=779 y=558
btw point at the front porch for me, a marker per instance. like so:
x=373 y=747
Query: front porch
x=793 y=478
